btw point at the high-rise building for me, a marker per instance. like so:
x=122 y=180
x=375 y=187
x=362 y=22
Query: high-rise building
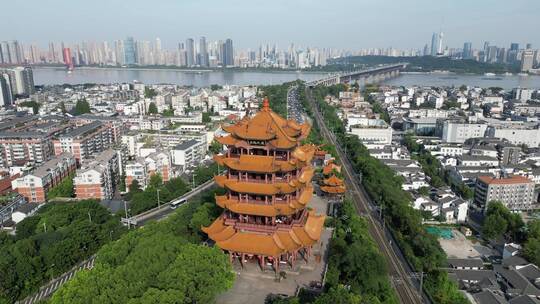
x=6 y=97
x=21 y=80
x=68 y=60
x=440 y=45
x=528 y=46
x=467 y=50
x=190 y=52
x=426 y=50
x=514 y=46
x=130 y=55
x=527 y=60
x=15 y=52
x=203 y=52
x=4 y=53
x=434 y=44
x=229 y=53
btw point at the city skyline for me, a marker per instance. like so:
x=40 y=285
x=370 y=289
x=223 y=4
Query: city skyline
x=255 y=23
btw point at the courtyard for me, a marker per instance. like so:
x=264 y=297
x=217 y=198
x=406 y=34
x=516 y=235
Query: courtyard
x=460 y=247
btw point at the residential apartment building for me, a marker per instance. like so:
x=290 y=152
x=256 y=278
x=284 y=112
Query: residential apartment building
x=97 y=178
x=19 y=148
x=515 y=192
x=188 y=154
x=35 y=185
x=143 y=168
x=85 y=140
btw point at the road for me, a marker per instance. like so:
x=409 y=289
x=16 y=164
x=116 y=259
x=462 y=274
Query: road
x=48 y=289
x=141 y=219
x=164 y=210
x=400 y=275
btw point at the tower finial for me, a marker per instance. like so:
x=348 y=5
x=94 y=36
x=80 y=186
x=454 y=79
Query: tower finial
x=266 y=104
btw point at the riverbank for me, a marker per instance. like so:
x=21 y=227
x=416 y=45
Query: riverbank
x=185 y=69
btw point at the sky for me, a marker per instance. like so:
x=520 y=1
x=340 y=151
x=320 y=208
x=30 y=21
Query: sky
x=345 y=24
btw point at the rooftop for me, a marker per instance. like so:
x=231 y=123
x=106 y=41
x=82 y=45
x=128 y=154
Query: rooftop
x=515 y=179
x=79 y=131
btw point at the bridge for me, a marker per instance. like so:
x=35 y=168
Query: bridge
x=362 y=77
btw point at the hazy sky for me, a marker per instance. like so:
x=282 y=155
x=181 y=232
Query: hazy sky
x=349 y=24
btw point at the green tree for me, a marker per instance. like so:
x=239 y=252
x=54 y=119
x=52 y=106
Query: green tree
x=134 y=187
x=500 y=221
x=215 y=147
x=64 y=189
x=531 y=250
x=340 y=295
x=206 y=117
x=151 y=265
x=82 y=107
x=149 y=92
x=215 y=87
x=152 y=108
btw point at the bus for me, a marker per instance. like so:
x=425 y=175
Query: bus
x=177 y=203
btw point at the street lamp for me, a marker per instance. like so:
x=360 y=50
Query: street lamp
x=158 y=203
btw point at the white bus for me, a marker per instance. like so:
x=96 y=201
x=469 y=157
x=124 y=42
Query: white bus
x=177 y=203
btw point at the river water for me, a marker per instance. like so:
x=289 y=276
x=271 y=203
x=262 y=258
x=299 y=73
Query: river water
x=49 y=76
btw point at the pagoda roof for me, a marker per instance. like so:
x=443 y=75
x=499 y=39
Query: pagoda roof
x=255 y=163
x=266 y=125
x=267 y=244
x=266 y=209
x=265 y=188
x=333 y=181
x=333 y=189
x=327 y=170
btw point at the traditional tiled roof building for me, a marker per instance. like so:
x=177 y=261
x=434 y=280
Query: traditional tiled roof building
x=333 y=185
x=268 y=183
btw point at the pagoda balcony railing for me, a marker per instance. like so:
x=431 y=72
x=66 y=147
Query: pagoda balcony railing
x=266 y=228
x=260 y=202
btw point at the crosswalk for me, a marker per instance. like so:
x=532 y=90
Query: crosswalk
x=46 y=290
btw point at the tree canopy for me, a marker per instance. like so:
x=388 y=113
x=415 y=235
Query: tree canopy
x=158 y=264
x=152 y=108
x=500 y=221
x=81 y=107
x=49 y=243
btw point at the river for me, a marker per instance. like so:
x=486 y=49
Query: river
x=49 y=76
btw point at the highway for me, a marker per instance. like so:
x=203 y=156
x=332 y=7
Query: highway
x=139 y=220
x=399 y=275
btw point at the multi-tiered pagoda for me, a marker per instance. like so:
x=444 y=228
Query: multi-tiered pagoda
x=332 y=185
x=268 y=183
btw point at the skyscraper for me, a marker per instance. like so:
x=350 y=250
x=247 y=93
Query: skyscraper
x=130 y=56
x=527 y=60
x=22 y=81
x=512 y=54
x=6 y=98
x=15 y=52
x=440 y=46
x=190 y=53
x=228 y=59
x=467 y=50
x=434 y=44
x=68 y=61
x=203 y=52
